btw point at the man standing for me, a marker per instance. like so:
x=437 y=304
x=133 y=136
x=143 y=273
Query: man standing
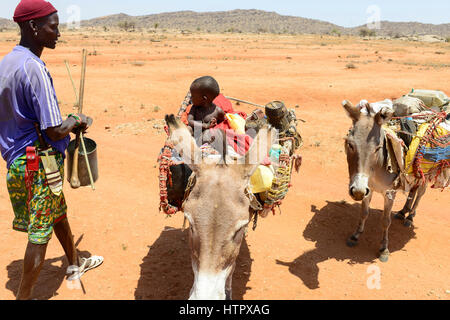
x=33 y=140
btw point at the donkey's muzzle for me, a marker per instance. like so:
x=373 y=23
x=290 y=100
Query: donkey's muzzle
x=358 y=195
x=359 y=189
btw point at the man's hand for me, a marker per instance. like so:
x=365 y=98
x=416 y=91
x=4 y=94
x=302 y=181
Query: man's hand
x=68 y=126
x=86 y=122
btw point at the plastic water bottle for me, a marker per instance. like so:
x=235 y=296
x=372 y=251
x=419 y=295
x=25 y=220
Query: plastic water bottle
x=275 y=153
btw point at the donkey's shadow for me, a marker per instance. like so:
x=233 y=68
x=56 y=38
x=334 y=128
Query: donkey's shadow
x=330 y=228
x=166 y=271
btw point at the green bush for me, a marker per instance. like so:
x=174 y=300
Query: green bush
x=367 y=32
x=335 y=32
x=127 y=26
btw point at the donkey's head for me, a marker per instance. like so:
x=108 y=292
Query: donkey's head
x=364 y=147
x=217 y=210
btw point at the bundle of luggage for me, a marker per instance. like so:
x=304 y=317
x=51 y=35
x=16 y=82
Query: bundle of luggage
x=270 y=183
x=419 y=138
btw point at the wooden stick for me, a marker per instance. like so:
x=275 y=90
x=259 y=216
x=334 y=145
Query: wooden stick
x=71 y=79
x=87 y=162
x=82 y=81
x=80 y=107
x=81 y=135
x=74 y=180
x=247 y=102
x=254 y=104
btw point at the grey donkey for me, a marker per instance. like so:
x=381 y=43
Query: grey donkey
x=217 y=209
x=366 y=151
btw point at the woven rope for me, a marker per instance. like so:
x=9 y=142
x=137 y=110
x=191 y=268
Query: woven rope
x=430 y=137
x=165 y=179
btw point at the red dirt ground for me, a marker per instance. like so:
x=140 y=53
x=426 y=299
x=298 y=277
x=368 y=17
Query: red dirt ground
x=298 y=254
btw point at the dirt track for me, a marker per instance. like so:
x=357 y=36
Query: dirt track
x=300 y=254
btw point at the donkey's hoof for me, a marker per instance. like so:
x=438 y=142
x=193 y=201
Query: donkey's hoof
x=352 y=242
x=408 y=223
x=399 y=216
x=384 y=255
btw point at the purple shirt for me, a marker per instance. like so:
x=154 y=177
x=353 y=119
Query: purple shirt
x=27 y=96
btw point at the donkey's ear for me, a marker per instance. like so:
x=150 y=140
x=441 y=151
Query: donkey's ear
x=259 y=149
x=183 y=142
x=383 y=116
x=353 y=112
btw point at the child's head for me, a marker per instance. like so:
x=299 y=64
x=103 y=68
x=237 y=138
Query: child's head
x=204 y=90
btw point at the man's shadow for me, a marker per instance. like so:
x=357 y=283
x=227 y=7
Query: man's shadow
x=330 y=228
x=166 y=271
x=50 y=278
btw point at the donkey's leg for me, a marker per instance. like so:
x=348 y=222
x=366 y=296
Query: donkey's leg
x=389 y=198
x=420 y=192
x=353 y=240
x=401 y=215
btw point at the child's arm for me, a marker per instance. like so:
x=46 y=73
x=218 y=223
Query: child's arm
x=220 y=115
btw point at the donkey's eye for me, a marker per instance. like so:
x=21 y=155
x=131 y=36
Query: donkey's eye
x=350 y=147
x=378 y=149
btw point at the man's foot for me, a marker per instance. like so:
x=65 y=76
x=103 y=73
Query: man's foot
x=85 y=265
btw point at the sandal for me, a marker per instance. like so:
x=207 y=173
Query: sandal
x=86 y=265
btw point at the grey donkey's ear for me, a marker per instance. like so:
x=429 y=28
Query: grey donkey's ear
x=383 y=116
x=183 y=142
x=353 y=112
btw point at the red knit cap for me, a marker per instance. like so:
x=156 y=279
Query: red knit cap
x=33 y=9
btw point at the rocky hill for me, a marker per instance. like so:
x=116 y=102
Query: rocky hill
x=399 y=29
x=258 y=21
x=247 y=21
x=251 y=21
x=7 y=24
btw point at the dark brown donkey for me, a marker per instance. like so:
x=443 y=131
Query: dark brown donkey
x=366 y=151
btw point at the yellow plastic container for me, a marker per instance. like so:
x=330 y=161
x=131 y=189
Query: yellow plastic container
x=262 y=179
x=237 y=123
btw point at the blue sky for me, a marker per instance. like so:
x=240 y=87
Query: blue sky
x=344 y=12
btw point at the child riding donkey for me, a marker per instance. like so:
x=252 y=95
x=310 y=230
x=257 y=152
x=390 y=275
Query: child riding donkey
x=223 y=133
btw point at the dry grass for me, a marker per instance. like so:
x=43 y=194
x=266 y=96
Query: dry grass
x=137 y=63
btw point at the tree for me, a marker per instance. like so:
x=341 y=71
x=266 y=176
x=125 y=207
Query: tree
x=127 y=26
x=367 y=32
x=335 y=32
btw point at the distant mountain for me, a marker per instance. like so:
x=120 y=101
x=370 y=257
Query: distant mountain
x=251 y=21
x=7 y=24
x=247 y=21
x=394 y=29
x=258 y=21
